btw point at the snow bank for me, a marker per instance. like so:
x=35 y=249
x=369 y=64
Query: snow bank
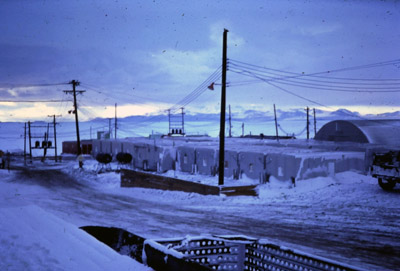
x=33 y=239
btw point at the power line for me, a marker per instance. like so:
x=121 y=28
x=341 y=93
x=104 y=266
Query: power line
x=12 y=85
x=312 y=101
x=32 y=101
x=316 y=74
x=282 y=75
x=318 y=86
x=216 y=75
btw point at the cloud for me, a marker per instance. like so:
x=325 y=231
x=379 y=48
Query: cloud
x=186 y=67
x=319 y=29
x=25 y=112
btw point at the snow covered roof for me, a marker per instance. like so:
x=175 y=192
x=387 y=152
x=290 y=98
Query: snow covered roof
x=382 y=132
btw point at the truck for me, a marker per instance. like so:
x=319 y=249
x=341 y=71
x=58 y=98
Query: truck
x=386 y=167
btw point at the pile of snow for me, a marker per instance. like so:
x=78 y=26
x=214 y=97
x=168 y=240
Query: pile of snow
x=34 y=239
x=42 y=241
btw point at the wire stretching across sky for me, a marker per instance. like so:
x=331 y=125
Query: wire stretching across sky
x=325 y=86
x=285 y=90
x=213 y=78
x=309 y=81
x=12 y=85
x=274 y=81
x=319 y=74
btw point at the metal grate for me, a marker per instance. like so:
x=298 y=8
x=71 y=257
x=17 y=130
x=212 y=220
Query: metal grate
x=237 y=254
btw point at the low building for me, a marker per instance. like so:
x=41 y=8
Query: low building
x=72 y=148
x=380 y=132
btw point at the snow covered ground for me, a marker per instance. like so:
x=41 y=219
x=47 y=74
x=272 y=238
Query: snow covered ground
x=346 y=217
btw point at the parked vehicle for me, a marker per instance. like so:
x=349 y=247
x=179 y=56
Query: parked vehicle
x=386 y=167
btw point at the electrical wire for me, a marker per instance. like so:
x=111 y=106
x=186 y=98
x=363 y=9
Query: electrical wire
x=31 y=101
x=215 y=76
x=294 y=134
x=318 y=84
x=12 y=85
x=317 y=74
x=314 y=102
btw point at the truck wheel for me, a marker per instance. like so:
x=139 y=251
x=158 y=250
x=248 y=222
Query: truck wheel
x=386 y=184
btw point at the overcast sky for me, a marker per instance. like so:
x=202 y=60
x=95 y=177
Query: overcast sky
x=148 y=55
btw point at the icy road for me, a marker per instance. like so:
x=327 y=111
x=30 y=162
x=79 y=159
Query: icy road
x=346 y=217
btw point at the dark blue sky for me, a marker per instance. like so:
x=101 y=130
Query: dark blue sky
x=148 y=55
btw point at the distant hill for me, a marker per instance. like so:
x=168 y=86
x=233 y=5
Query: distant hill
x=256 y=115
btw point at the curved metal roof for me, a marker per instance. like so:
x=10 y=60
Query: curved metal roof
x=382 y=132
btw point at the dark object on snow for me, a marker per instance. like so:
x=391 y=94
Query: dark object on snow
x=211 y=252
x=120 y=240
x=124 y=157
x=103 y=158
x=293 y=181
x=386 y=167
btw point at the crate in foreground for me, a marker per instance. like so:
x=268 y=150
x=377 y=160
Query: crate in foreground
x=231 y=253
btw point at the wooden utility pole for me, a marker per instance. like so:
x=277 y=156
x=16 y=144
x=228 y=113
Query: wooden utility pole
x=109 y=127
x=230 y=122
x=74 y=91
x=169 y=122
x=115 y=121
x=183 y=121
x=30 y=142
x=55 y=135
x=46 y=142
x=315 y=123
x=276 y=125
x=25 y=144
x=223 y=109
x=308 y=123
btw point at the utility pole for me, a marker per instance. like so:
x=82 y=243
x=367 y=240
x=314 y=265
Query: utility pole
x=30 y=142
x=169 y=122
x=25 y=144
x=223 y=109
x=109 y=127
x=183 y=122
x=74 y=91
x=315 y=123
x=308 y=123
x=115 y=120
x=55 y=135
x=242 y=129
x=230 y=122
x=46 y=142
x=276 y=125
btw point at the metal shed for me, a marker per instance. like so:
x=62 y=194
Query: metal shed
x=381 y=132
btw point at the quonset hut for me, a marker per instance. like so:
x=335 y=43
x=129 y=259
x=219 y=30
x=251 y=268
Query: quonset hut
x=380 y=132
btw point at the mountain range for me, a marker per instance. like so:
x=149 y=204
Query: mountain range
x=255 y=115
